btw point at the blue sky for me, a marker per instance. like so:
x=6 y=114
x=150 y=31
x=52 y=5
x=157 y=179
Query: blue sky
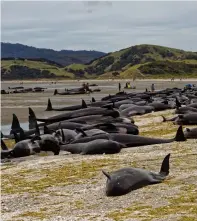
x=103 y=26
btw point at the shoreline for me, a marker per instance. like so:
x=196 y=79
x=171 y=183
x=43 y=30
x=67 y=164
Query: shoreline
x=96 y=80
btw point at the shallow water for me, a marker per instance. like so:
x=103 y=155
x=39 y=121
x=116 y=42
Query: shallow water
x=6 y=128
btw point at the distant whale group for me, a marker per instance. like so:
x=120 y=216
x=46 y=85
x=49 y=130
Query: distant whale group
x=106 y=127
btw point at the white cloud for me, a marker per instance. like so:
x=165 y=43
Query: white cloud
x=105 y=26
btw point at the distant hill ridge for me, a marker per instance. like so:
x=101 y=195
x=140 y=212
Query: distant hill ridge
x=139 y=61
x=63 y=57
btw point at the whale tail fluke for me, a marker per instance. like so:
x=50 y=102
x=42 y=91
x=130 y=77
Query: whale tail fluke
x=180 y=135
x=15 y=124
x=165 y=166
x=49 y=106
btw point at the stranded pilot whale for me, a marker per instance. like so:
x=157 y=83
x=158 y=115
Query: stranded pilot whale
x=190 y=133
x=125 y=180
x=98 y=146
x=134 y=140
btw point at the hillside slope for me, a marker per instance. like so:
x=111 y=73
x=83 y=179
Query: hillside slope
x=31 y=69
x=141 y=61
x=145 y=60
x=63 y=57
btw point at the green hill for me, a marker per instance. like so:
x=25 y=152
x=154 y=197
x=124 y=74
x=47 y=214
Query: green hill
x=27 y=69
x=141 y=61
x=145 y=61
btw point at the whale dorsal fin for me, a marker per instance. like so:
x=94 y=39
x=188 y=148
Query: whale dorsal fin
x=180 y=135
x=32 y=119
x=55 y=92
x=49 y=105
x=15 y=123
x=84 y=105
x=93 y=99
x=3 y=145
x=164 y=170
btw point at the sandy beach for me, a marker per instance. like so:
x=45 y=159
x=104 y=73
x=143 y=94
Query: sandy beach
x=19 y=103
x=72 y=187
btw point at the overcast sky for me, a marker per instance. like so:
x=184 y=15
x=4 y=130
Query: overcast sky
x=103 y=26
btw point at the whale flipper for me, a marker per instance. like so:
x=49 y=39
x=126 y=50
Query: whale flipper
x=164 y=119
x=106 y=174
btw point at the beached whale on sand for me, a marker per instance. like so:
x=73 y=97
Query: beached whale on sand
x=134 y=140
x=98 y=146
x=125 y=180
x=190 y=133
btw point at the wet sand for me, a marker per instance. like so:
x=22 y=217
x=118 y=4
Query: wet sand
x=19 y=103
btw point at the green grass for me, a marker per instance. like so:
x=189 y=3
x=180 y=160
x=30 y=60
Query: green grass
x=64 y=175
x=38 y=65
x=37 y=215
x=76 y=66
